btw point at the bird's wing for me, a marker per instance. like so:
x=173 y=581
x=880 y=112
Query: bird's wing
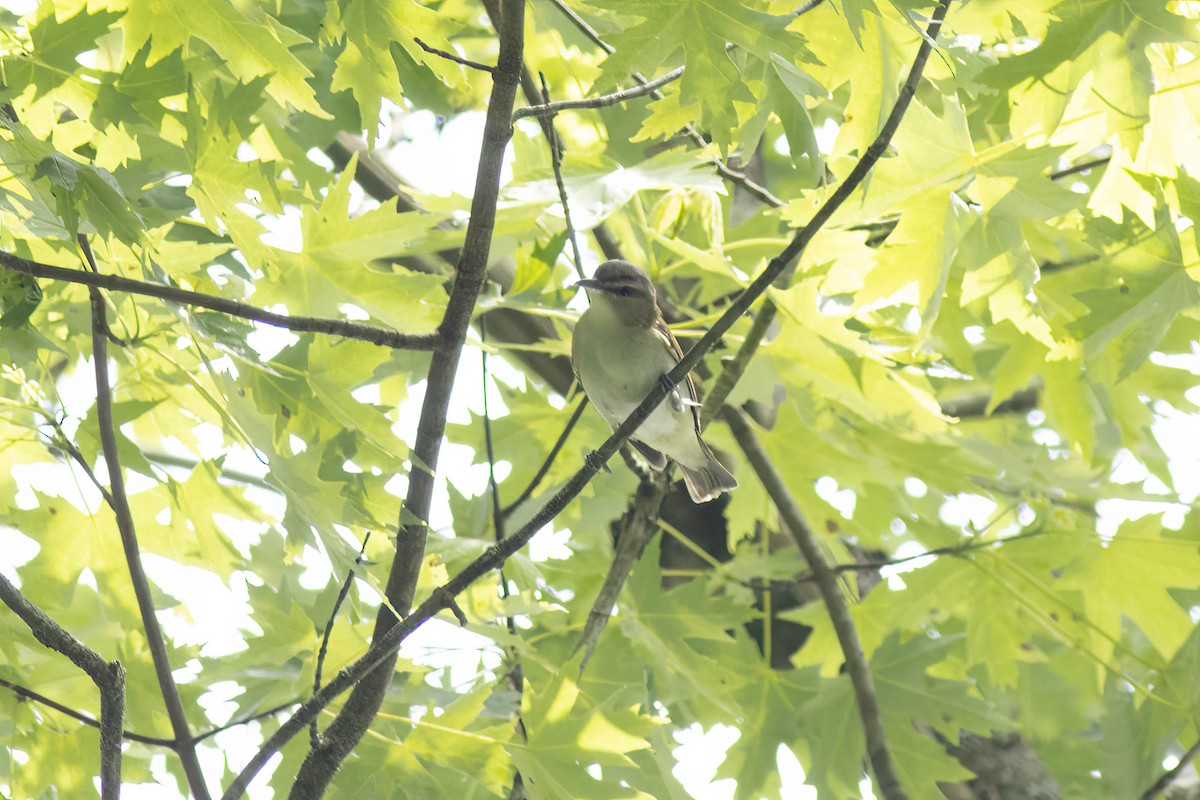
x=689 y=387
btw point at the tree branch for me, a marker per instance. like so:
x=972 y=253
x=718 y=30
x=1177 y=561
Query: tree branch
x=130 y=736
x=385 y=645
x=554 y=451
x=455 y=58
x=835 y=604
x=556 y=154
x=324 y=648
x=1171 y=775
x=185 y=746
x=637 y=528
x=549 y=109
x=116 y=283
x=363 y=704
x=109 y=677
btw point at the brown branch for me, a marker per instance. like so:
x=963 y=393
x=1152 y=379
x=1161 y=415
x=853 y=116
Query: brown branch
x=385 y=646
x=109 y=677
x=185 y=746
x=637 y=528
x=1083 y=166
x=1171 y=775
x=549 y=461
x=324 y=648
x=116 y=283
x=976 y=405
x=835 y=603
x=41 y=699
x=130 y=736
x=556 y=154
x=549 y=109
x=364 y=702
x=246 y=720
x=466 y=62
x=735 y=368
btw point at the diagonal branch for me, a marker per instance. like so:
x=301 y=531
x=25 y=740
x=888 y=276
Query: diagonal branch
x=130 y=736
x=385 y=646
x=549 y=109
x=363 y=704
x=637 y=528
x=185 y=746
x=173 y=294
x=1171 y=775
x=109 y=677
x=835 y=604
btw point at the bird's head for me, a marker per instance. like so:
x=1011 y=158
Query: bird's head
x=625 y=289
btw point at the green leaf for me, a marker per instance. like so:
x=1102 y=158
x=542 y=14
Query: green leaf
x=702 y=28
x=249 y=41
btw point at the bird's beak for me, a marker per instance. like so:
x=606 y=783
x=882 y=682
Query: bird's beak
x=587 y=283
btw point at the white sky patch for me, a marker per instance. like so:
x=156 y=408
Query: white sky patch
x=699 y=754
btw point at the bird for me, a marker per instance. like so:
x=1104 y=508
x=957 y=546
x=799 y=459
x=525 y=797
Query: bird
x=620 y=349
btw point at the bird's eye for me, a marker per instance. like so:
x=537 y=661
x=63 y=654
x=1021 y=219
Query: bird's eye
x=624 y=291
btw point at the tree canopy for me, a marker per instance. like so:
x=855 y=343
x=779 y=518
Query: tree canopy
x=281 y=410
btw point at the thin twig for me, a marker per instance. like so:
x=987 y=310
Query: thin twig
x=948 y=550
x=385 y=646
x=353 y=719
x=549 y=461
x=133 y=558
x=109 y=677
x=246 y=720
x=807 y=7
x=516 y=675
x=116 y=283
x=466 y=62
x=1083 y=166
x=1171 y=775
x=835 y=603
x=549 y=109
x=41 y=699
x=556 y=154
x=314 y=735
x=61 y=441
x=130 y=736
x=86 y=248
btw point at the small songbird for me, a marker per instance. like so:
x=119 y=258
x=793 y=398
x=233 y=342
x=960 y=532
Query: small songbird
x=621 y=348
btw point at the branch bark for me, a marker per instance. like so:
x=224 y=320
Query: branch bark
x=549 y=109
x=364 y=702
x=173 y=294
x=109 y=677
x=185 y=745
x=835 y=604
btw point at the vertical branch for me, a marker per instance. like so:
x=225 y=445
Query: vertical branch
x=314 y=736
x=109 y=677
x=133 y=558
x=364 y=702
x=556 y=154
x=835 y=604
x=516 y=676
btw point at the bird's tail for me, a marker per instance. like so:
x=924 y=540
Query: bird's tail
x=709 y=481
